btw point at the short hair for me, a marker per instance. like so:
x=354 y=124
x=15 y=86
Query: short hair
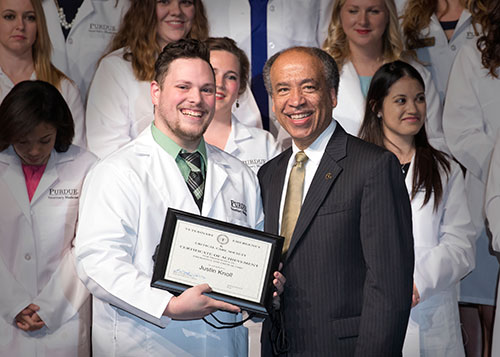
x=330 y=69
x=137 y=34
x=229 y=45
x=184 y=48
x=29 y=104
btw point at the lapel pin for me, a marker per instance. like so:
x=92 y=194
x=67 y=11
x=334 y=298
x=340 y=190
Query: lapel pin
x=328 y=176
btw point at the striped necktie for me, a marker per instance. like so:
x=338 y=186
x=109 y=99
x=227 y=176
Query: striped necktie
x=195 y=181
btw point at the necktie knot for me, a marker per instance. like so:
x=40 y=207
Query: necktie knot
x=300 y=159
x=193 y=159
x=195 y=181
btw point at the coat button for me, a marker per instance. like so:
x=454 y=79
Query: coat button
x=27 y=257
x=70 y=41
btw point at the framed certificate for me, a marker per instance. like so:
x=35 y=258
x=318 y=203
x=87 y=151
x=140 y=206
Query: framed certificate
x=237 y=262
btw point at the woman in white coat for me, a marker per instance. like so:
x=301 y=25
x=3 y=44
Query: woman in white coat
x=251 y=145
x=45 y=309
x=25 y=54
x=119 y=102
x=470 y=124
x=79 y=41
x=363 y=35
x=442 y=228
x=437 y=30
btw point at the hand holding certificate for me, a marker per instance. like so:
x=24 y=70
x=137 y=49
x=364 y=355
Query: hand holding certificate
x=237 y=262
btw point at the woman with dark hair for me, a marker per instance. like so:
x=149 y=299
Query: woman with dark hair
x=470 y=123
x=119 y=104
x=442 y=228
x=251 y=145
x=45 y=308
x=25 y=52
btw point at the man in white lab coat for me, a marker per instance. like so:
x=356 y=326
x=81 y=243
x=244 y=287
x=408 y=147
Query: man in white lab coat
x=124 y=202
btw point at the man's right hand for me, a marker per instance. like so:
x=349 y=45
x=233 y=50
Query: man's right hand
x=193 y=305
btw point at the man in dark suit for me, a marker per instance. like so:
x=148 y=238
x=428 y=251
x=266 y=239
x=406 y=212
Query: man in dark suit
x=348 y=254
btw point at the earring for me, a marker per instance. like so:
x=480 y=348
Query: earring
x=379 y=115
x=237 y=103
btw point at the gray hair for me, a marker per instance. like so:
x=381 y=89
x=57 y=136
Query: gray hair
x=330 y=68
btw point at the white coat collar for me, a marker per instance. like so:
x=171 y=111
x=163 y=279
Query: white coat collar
x=14 y=177
x=351 y=103
x=464 y=20
x=239 y=132
x=409 y=176
x=217 y=167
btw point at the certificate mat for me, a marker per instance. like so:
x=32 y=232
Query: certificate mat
x=237 y=262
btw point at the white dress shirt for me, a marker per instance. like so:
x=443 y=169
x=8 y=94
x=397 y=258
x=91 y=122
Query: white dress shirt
x=314 y=153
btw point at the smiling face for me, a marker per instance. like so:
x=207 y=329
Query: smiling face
x=185 y=102
x=35 y=148
x=175 y=19
x=302 y=101
x=403 y=110
x=227 y=79
x=17 y=26
x=364 y=22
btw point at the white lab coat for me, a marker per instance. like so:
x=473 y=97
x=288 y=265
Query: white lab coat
x=439 y=58
x=125 y=199
x=289 y=23
x=95 y=25
x=253 y=146
x=444 y=253
x=70 y=94
x=119 y=106
x=470 y=123
x=350 y=108
x=492 y=208
x=36 y=258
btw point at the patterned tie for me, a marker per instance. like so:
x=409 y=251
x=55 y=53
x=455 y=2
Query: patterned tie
x=195 y=178
x=293 y=199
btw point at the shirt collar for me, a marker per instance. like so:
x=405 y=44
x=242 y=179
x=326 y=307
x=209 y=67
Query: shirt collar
x=315 y=151
x=171 y=147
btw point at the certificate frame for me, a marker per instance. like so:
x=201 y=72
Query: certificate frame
x=265 y=247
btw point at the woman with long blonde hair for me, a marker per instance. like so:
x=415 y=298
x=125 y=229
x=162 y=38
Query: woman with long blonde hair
x=25 y=51
x=362 y=36
x=119 y=106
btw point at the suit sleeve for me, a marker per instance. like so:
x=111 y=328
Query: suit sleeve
x=387 y=244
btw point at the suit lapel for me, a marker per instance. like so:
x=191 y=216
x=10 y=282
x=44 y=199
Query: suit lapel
x=275 y=191
x=49 y=176
x=325 y=176
x=216 y=177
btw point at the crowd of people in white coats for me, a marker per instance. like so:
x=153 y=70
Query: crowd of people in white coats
x=76 y=87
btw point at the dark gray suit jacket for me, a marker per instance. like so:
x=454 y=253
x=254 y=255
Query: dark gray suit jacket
x=349 y=268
